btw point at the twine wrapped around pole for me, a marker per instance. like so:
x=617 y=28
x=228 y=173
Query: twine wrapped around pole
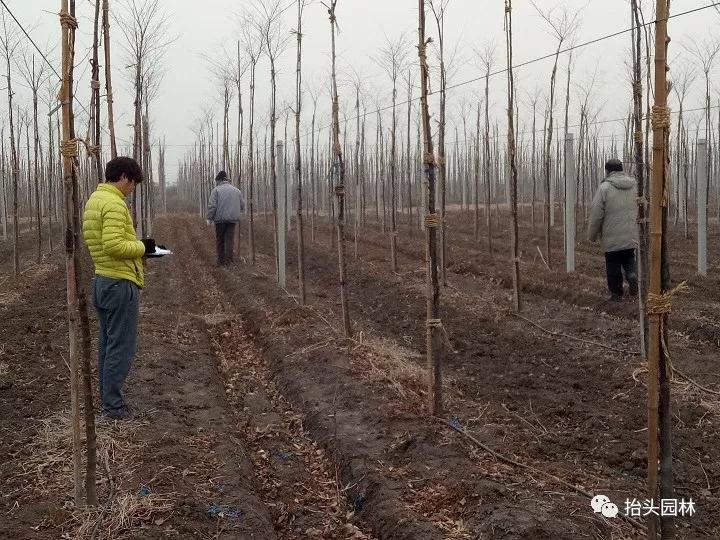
x=639 y=137
x=660 y=117
x=95 y=84
x=661 y=304
x=429 y=159
x=339 y=190
x=69 y=148
x=68 y=21
x=432 y=221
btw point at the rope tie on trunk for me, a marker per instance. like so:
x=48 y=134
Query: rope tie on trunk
x=429 y=159
x=432 y=324
x=69 y=148
x=661 y=304
x=68 y=21
x=660 y=117
x=639 y=137
x=432 y=221
x=340 y=190
x=95 y=84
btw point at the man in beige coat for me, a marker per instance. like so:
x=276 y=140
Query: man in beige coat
x=613 y=220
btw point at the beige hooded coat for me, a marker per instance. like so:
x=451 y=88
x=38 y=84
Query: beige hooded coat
x=613 y=218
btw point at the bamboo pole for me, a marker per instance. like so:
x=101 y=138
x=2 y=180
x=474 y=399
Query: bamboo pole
x=69 y=153
x=658 y=303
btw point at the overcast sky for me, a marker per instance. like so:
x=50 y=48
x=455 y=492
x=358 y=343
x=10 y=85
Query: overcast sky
x=204 y=28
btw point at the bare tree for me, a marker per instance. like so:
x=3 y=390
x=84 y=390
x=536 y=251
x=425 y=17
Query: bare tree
x=433 y=323
x=145 y=27
x=393 y=59
x=486 y=55
x=639 y=141
x=34 y=75
x=298 y=162
x=682 y=81
x=9 y=43
x=438 y=7
x=533 y=99
x=512 y=151
x=269 y=23
x=338 y=173
x=253 y=49
x=563 y=24
x=705 y=52
x=108 y=77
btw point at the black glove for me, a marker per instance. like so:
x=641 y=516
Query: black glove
x=161 y=246
x=149 y=245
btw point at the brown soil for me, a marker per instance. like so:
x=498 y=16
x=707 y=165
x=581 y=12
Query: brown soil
x=255 y=405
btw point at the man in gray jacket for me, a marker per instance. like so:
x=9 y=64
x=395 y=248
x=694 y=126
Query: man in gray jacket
x=613 y=219
x=225 y=208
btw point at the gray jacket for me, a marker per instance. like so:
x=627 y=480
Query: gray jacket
x=226 y=203
x=613 y=218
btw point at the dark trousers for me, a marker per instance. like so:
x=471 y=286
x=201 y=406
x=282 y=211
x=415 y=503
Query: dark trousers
x=618 y=263
x=224 y=242
x=117 y=302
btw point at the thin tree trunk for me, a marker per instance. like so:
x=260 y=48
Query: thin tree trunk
x=298 y=162
x=251 y=165
x=108 y=78
x=638 y=139
x=15 y=169
x=339 y=165
x=432 y=221
x=514 y=234
x=69 y=150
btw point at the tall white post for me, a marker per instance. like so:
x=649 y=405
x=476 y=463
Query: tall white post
x=570 y=196
x=702 y=213
x=281 y=192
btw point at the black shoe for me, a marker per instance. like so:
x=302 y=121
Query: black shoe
x=123 y=413
x=615 y=297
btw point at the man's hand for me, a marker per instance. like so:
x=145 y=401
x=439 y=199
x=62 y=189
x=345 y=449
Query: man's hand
x=149 y=245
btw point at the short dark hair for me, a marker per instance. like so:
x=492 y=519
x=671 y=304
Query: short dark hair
x=123 y=165
x=613 y=165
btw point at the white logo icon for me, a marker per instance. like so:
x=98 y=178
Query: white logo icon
x=601 y=504
x=597 y=503
x=610 y=510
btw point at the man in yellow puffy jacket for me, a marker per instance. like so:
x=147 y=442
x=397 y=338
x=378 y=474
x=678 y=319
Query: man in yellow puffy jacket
x=117 y=255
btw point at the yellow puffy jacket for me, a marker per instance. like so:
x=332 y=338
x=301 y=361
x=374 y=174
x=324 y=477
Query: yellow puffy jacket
x=110 y=236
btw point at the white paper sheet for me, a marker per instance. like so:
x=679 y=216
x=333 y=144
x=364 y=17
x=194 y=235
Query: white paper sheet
x=159 y=252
